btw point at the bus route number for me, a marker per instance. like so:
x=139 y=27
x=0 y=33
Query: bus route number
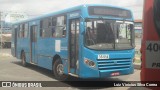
x=155 y=47
x=152 y=55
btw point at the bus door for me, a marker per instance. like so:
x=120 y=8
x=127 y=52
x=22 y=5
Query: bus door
x=33 y=46
x=73 y=43
x=14 y=45
x=15 y=40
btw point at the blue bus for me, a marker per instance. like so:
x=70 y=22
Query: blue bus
x=86 y=41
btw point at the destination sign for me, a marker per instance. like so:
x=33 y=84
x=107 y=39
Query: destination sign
x=108 y=11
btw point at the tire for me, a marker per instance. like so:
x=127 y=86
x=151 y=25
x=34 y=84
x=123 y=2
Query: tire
x=58 y=70
x=23 y=59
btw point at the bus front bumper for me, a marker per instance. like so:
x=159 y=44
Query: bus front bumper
x=118 y=72
x=91 y=73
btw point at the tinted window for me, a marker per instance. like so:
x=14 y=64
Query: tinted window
x=44 y=27
x=53 y=27
x=21 y=31
x=26 y=30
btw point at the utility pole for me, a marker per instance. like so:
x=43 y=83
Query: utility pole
x=1 y=27
x=1 y=19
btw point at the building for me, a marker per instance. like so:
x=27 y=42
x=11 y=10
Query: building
x=6 y=27
x=138 y=28
x=5 y=36
x=6 y=20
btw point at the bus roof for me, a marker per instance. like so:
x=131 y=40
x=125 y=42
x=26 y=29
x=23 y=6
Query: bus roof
x=66 y=11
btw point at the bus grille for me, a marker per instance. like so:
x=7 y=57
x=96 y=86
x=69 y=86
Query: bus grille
x=114 y=64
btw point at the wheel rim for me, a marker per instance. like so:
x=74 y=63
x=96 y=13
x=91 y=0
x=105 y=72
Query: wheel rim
x=60 y=69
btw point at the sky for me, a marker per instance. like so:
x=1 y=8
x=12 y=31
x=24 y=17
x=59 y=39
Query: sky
x=39 y=7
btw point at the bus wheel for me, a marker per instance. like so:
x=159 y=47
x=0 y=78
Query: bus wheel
x=23 y=59
x=59 y=71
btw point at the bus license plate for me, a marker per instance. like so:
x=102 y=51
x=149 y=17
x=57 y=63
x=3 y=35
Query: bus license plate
x=103 y=56
x=115 y=74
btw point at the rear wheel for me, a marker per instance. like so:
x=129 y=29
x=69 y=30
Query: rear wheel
x=23 y=59
x=58 y=70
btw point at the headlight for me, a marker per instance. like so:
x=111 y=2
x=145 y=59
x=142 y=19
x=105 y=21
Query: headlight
x=90 y=63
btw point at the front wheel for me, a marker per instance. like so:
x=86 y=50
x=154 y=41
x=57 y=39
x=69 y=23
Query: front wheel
x=58 y=70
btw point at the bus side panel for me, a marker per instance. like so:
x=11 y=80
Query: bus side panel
x=18 y=51
x=149 y=34
x=45 y=62
x=23 y=45
x=46 y=51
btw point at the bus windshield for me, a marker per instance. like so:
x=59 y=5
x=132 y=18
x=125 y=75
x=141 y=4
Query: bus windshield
x=108 y=34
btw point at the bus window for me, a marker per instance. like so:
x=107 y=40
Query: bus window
x=58 y=28
x=34 y=33
x=44 y=28
x=91 y=33
x=59 y=32
x=54 y=21
x=26 y=30
x=124 y=31
x=21 y=31
x=110 y=34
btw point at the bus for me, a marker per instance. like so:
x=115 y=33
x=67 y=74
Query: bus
x=150 y=49
x=85 y=41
